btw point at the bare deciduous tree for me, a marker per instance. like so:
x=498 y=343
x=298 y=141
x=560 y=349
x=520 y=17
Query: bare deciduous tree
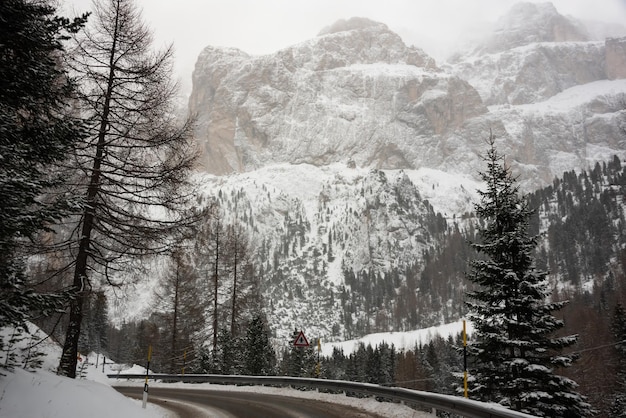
x=136 y=160
x=179 y=299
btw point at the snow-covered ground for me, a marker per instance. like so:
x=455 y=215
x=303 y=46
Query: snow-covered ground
x=41 y=393
x=401 y=340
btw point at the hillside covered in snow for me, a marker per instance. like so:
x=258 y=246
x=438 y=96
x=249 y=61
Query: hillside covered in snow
x=351 y=157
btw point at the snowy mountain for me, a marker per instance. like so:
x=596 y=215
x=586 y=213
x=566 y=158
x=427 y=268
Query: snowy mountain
x=530 y=23
x=348 y=157
x=358 y=92
x=310 y=225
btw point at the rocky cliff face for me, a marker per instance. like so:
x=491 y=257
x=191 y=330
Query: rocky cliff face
x=349 y=154
x=357 y=92
x=528 y=23
x=615 y=58
x=354 y=91
x=532 y=73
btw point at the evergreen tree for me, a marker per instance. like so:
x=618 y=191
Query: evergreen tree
x=515 y=352
x=259 y=357
x=36 y=133
x=226 y=360
x=96 y=323
x=298 y=361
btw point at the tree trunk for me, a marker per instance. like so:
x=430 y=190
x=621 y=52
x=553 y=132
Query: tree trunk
x=175 y=319
x=69 y=357
x=215 y=286
x=233 y=311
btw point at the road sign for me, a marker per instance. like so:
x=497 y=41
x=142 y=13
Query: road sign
x=301 y=340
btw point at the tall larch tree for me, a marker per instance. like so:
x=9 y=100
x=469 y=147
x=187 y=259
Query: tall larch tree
x=211 y=254
x=38 y=128
x=179 y=297
x=515 y=352
x=136 y=159
x=244 y=292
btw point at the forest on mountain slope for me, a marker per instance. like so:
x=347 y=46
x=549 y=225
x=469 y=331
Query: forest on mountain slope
x=580 y=218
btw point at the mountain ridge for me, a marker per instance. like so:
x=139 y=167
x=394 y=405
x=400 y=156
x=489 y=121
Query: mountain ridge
x=358 y=93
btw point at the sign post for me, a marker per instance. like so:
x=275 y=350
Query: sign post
x=145 y=386
x=301 y=340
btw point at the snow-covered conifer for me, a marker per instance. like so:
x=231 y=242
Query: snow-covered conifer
x=515 y=353
x=259 y=358
x=36 y=131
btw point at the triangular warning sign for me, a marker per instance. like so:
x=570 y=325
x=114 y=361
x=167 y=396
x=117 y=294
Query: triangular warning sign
x=301 y=340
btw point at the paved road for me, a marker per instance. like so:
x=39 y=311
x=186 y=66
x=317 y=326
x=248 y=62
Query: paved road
x=194 y=403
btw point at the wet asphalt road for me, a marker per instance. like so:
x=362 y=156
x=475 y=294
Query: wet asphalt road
x=196 y=403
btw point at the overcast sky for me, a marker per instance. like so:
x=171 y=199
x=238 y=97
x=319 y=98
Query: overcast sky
x=265 y=26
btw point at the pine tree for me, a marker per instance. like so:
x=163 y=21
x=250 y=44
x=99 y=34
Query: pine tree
x=96 y=322
x=259 y=358
x=298 y=361
x=515 y=352
x=36 y=132
x=226 y=359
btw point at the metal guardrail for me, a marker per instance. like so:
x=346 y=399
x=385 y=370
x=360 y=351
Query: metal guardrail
x=457 y=405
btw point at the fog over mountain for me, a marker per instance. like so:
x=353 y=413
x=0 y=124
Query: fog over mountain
x=350 y=157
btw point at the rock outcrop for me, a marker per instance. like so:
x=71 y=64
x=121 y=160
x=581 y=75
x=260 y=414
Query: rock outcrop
x=616 y=58
x=357 y=93
x=356 y=90
x=533 y=73
x=529 y=23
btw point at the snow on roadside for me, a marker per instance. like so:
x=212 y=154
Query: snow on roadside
x=25 y=394
x=41 y=393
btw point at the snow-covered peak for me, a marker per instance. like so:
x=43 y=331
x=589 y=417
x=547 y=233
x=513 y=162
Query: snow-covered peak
x=354 y=23
x=528 y=23
x=316 y=102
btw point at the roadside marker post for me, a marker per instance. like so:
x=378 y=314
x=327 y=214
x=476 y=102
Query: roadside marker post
x=145 y=386
x=184 y=362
